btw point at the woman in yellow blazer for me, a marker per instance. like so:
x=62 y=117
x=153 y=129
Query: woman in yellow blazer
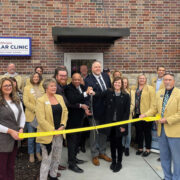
x=30 y=95
x=38 y=69
x=127 y=139
x=52 y=114
x=143 y=100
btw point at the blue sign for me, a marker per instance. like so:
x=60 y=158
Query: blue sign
x=15 y=46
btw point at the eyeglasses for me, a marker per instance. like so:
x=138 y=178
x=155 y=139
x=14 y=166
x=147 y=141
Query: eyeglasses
x=62 y=75
x=7 y=86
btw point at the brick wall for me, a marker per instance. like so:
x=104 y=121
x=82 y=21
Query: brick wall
x=154 y=39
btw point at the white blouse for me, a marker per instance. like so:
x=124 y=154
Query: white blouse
x=4 y=129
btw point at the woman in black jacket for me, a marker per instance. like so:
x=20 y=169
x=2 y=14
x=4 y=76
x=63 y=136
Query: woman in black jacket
x=117 y=108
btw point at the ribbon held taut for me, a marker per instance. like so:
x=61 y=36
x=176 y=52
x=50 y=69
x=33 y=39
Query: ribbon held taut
x=67 y=131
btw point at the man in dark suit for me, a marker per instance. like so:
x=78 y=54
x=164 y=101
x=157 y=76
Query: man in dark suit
x=99 y=82
x=76 y=96
x=85 y=123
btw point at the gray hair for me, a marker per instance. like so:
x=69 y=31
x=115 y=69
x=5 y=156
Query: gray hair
x=96 y=62
x=47 y=82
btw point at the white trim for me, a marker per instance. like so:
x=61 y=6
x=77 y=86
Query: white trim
x=68 y=57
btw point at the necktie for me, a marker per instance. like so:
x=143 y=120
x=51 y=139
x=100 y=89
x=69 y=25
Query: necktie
x=166 y=98
x=79 y=89
x=102 y=84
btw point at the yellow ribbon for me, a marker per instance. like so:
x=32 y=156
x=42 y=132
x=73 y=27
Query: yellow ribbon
x=67 y=131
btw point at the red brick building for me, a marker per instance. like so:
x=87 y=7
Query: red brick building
x=153 y=40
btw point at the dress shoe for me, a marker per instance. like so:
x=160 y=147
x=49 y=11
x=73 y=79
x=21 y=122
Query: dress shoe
x=105 y=157
x=126 y=152
x=95 y=161
x=61 y=167
x=31 y=158
x=117 y=167
x=113 y=165
x=79 y=161
x=75 y=168
x=145 y=154
x=139 y=152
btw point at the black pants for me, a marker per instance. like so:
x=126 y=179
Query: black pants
x=116 y=146
x=84 y=135
x=72 y=145
x=143 y=130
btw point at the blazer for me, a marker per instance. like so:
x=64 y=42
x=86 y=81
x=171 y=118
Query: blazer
x=75 y=98
x=7 y=118
x=29 y=100
x=171 y=113
x=44 y=117
x=122 y=111
x=153 y=83
x=98 y=104
x=147 y=98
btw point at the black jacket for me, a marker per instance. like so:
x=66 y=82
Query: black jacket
x=98 y=104
x=74 y=97
x=122 y=107
x=61 y=91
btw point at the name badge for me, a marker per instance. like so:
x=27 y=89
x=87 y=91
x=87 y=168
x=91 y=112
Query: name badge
x=47 y=102
x=32 y=91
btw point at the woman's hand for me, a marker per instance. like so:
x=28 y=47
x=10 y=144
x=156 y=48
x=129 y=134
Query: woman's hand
x=59 y=129
x=20 y=131
x=14 y=134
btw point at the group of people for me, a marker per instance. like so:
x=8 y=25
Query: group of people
x=58 y=103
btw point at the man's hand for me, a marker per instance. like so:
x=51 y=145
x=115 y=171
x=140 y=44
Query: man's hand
x=162 y=121
x=88 y=113
x=91 y=92
x=89 y=89
x=122 y=129
x=84 y=106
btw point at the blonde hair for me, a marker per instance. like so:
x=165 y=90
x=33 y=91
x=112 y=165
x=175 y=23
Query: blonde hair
x=14 y=97
x=139 y=77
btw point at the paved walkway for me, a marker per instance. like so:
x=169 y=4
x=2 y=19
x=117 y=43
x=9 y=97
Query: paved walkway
x=134 y=168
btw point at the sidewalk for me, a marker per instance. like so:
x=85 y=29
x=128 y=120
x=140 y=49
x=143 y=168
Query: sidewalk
x=134 y=168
